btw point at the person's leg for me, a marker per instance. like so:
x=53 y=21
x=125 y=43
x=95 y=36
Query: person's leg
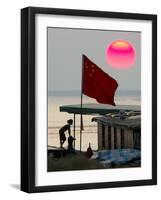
x=61 y=143
x=60 y=139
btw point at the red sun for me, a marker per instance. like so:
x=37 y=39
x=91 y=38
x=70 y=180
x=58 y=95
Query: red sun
x=120 y=54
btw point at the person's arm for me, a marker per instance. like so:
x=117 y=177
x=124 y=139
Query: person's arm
x=69 y=131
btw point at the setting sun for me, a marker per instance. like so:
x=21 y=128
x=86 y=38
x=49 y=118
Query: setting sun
x=120 y=54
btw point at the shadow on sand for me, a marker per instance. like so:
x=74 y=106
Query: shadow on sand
x=15 y=186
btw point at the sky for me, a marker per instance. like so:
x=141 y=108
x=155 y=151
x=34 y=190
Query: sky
x=65 y=49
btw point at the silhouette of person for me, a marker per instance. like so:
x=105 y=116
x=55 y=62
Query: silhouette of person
x=62 y=131
x=89 y=152
x=70 y=144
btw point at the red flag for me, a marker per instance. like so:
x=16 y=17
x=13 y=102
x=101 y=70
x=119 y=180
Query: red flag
x=97 y=84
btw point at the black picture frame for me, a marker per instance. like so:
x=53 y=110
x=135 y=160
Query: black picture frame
x=28 y=98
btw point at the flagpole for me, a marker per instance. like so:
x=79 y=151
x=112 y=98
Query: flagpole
x=81 y=120
x=81 y=124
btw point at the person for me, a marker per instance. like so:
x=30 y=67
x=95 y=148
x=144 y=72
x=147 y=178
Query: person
x=89 y=152
x=62 y=131
x=70 y=144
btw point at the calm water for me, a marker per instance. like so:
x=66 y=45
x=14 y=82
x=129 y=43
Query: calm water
x=56 y=119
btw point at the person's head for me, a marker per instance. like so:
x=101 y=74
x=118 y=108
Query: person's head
x=70 y=121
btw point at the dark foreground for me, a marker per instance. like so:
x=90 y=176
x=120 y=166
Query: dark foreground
x=80 y=162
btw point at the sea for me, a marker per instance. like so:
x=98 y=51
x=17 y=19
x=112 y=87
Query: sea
x=57 y=119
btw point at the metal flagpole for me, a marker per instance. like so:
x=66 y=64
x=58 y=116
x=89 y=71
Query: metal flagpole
x=74 y=131
x=81 y=124
x=81 y=117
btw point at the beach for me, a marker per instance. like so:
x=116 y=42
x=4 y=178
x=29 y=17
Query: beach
x=56 y=119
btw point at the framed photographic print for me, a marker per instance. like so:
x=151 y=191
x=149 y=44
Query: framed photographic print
x=88 y=99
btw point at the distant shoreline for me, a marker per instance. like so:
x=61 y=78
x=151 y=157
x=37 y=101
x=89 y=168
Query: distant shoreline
x=76 y=93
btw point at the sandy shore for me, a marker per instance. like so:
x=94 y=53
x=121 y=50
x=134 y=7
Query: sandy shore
x=81 y=162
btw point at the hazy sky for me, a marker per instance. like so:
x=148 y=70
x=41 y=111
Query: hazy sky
x=65 y=49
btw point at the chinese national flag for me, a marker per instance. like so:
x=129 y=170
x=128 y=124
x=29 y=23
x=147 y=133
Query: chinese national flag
x=97 y=84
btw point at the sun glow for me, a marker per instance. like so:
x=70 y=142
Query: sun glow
x=120 y=54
